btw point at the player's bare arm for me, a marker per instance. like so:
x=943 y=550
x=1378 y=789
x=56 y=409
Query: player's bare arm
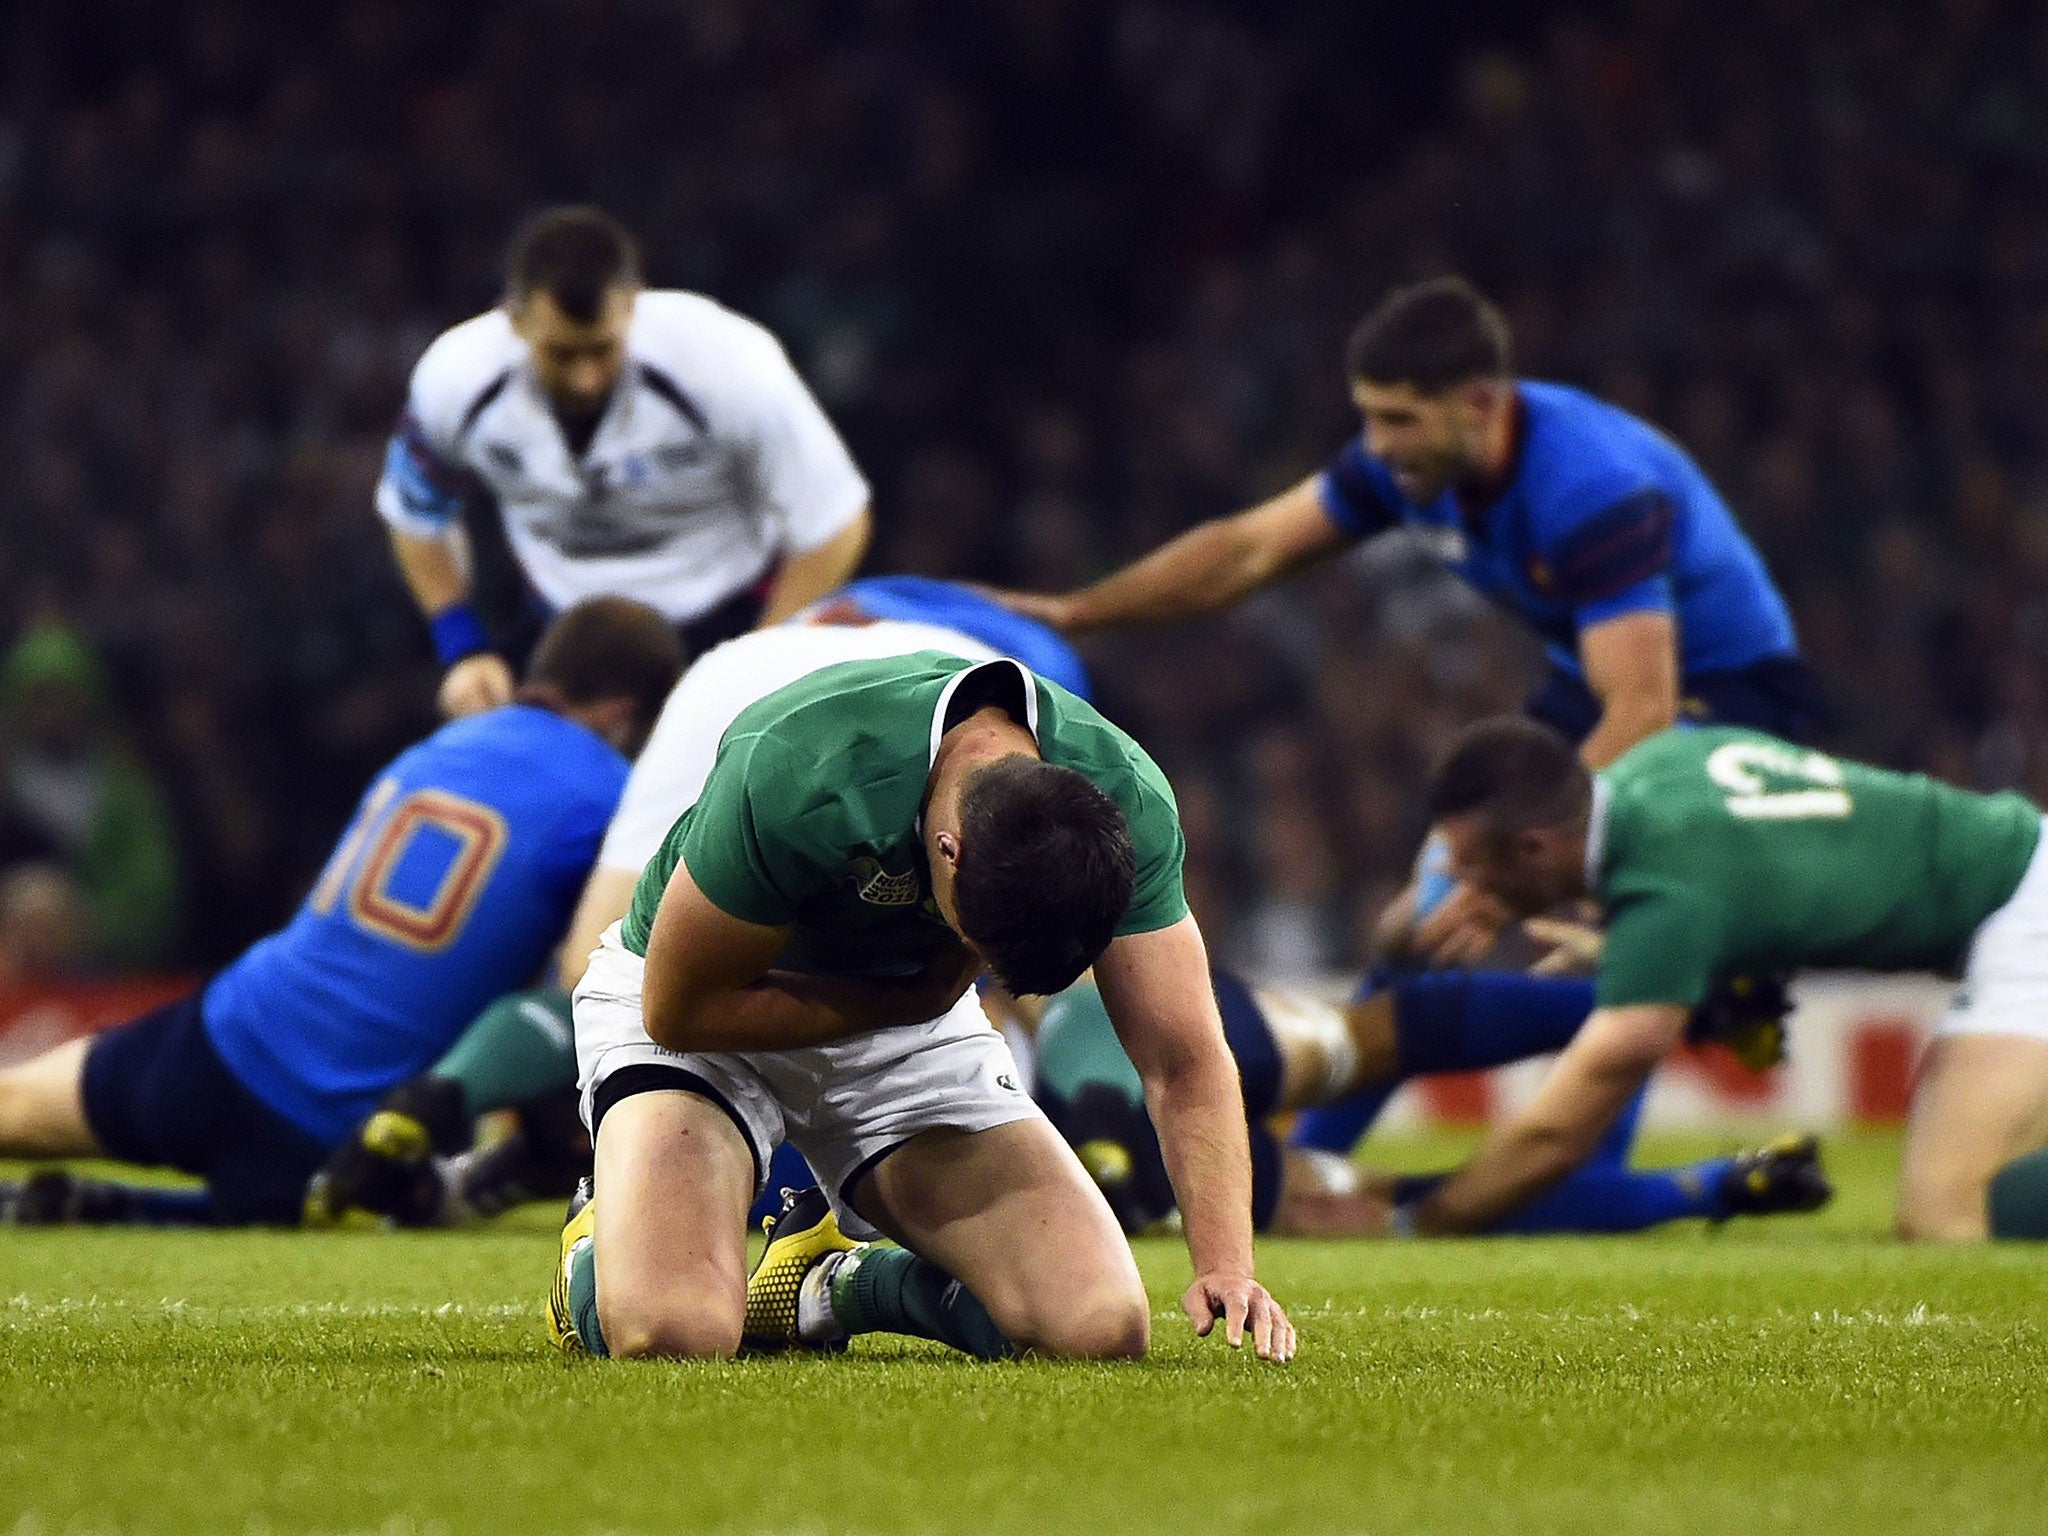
x=1156 y=989
x=1209 y=567
x=433 y=571
x=711 y=984
x=1631 y=664
x=1612 y=1056
x=808 y=575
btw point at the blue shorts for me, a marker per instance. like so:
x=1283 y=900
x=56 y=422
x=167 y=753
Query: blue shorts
x=157 y=1093
x=1777 y=695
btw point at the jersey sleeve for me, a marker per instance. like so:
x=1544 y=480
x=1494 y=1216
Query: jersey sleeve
x=1157 y=897
x=1358 y=494
x=423 y=484
x=1661 y=948
x=733 y=842
x=806 y=477
x=1616 y=560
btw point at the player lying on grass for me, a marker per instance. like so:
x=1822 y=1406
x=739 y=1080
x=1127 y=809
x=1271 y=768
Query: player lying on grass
x=450 y=887
x=798 y=962
x=1717 y=851
x=410 y=1160
x=1294 y=1052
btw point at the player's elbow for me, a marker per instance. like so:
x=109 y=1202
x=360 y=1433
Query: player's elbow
x=677 y=1029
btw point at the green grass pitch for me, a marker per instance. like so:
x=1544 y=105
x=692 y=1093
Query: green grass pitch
x=1798 y=1375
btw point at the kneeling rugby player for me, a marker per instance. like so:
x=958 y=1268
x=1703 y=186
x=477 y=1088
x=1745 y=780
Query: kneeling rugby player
x=798 y=962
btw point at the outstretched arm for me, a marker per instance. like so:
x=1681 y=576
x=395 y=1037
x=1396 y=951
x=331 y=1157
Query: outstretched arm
x=809 y=575
x=1156 y=988
x=1211 y=566
x=1612 y=1055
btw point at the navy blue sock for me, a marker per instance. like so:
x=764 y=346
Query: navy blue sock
x=1455 y=1021
x=1460 y=1021
x=1606 y=1196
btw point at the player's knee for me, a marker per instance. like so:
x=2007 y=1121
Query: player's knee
x=669 y=1326
x=1107 y=1321
x=1941 y=1206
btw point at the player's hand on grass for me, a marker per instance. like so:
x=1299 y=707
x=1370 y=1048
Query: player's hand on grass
x=1244 y=1306
x=1570 y=948
x=477 y=683
x=1463 y=928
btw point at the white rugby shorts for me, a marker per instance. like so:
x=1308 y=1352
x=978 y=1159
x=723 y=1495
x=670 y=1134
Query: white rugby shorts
x=2005 y=981
x=845 y=1106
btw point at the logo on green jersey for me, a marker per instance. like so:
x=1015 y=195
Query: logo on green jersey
x=879 y=888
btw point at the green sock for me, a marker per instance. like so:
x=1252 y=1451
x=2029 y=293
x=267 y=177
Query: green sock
x=892 y=1290
x=513 y=1052
x=583 y=1300
x=2019 y=1197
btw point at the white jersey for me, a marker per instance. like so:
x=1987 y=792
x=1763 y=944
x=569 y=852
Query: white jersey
x=712 y=459
x=670 y=772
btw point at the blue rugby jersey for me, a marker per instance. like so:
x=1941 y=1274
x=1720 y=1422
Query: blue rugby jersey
x=449 y=888
x=951 y=605
x=1604 y=515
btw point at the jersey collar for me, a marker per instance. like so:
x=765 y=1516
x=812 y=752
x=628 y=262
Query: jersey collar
x=1023 y=709
x=1596 y=830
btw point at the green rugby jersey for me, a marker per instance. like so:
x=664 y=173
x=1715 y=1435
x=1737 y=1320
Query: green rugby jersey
x=810 y=816
x=1721 y=850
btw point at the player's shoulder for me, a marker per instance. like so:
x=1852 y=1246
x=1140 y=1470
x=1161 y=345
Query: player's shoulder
x=695 y=333
x=1582 y=453
x=520 y=756
x=1085 y=739
x=464 y=360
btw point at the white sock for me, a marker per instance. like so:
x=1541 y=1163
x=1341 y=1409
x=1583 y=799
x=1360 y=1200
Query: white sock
x=815 y=1322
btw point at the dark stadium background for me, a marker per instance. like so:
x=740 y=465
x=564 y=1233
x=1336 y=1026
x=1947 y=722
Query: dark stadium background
x=1069 y=276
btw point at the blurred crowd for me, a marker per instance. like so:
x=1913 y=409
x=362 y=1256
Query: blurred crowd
x=1070 y=275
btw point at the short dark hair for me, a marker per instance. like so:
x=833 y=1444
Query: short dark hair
x=606 y=648
x=1434 y=335
x=1512 y=772
x=575 y=255
x=1045 y=873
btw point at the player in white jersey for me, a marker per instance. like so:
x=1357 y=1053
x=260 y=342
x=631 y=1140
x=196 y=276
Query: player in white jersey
x=679 y=755
x=646 y=443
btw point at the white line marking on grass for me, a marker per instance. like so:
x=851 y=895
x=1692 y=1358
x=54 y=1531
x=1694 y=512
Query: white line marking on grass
x=182 y=1307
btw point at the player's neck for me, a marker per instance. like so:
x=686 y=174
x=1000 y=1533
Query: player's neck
x=1500 y=447
x=977 y=741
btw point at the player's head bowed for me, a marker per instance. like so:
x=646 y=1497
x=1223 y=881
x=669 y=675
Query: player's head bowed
x=610 y=662
x=571 y=277
x=1044 y=872
x=1514 y=803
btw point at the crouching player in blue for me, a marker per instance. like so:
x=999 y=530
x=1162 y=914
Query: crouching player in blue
x=1295 y=1052
x=410 y=1160
x=451 y=886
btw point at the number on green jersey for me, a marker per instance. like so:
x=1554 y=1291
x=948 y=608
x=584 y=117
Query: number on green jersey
x=1768 y=781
